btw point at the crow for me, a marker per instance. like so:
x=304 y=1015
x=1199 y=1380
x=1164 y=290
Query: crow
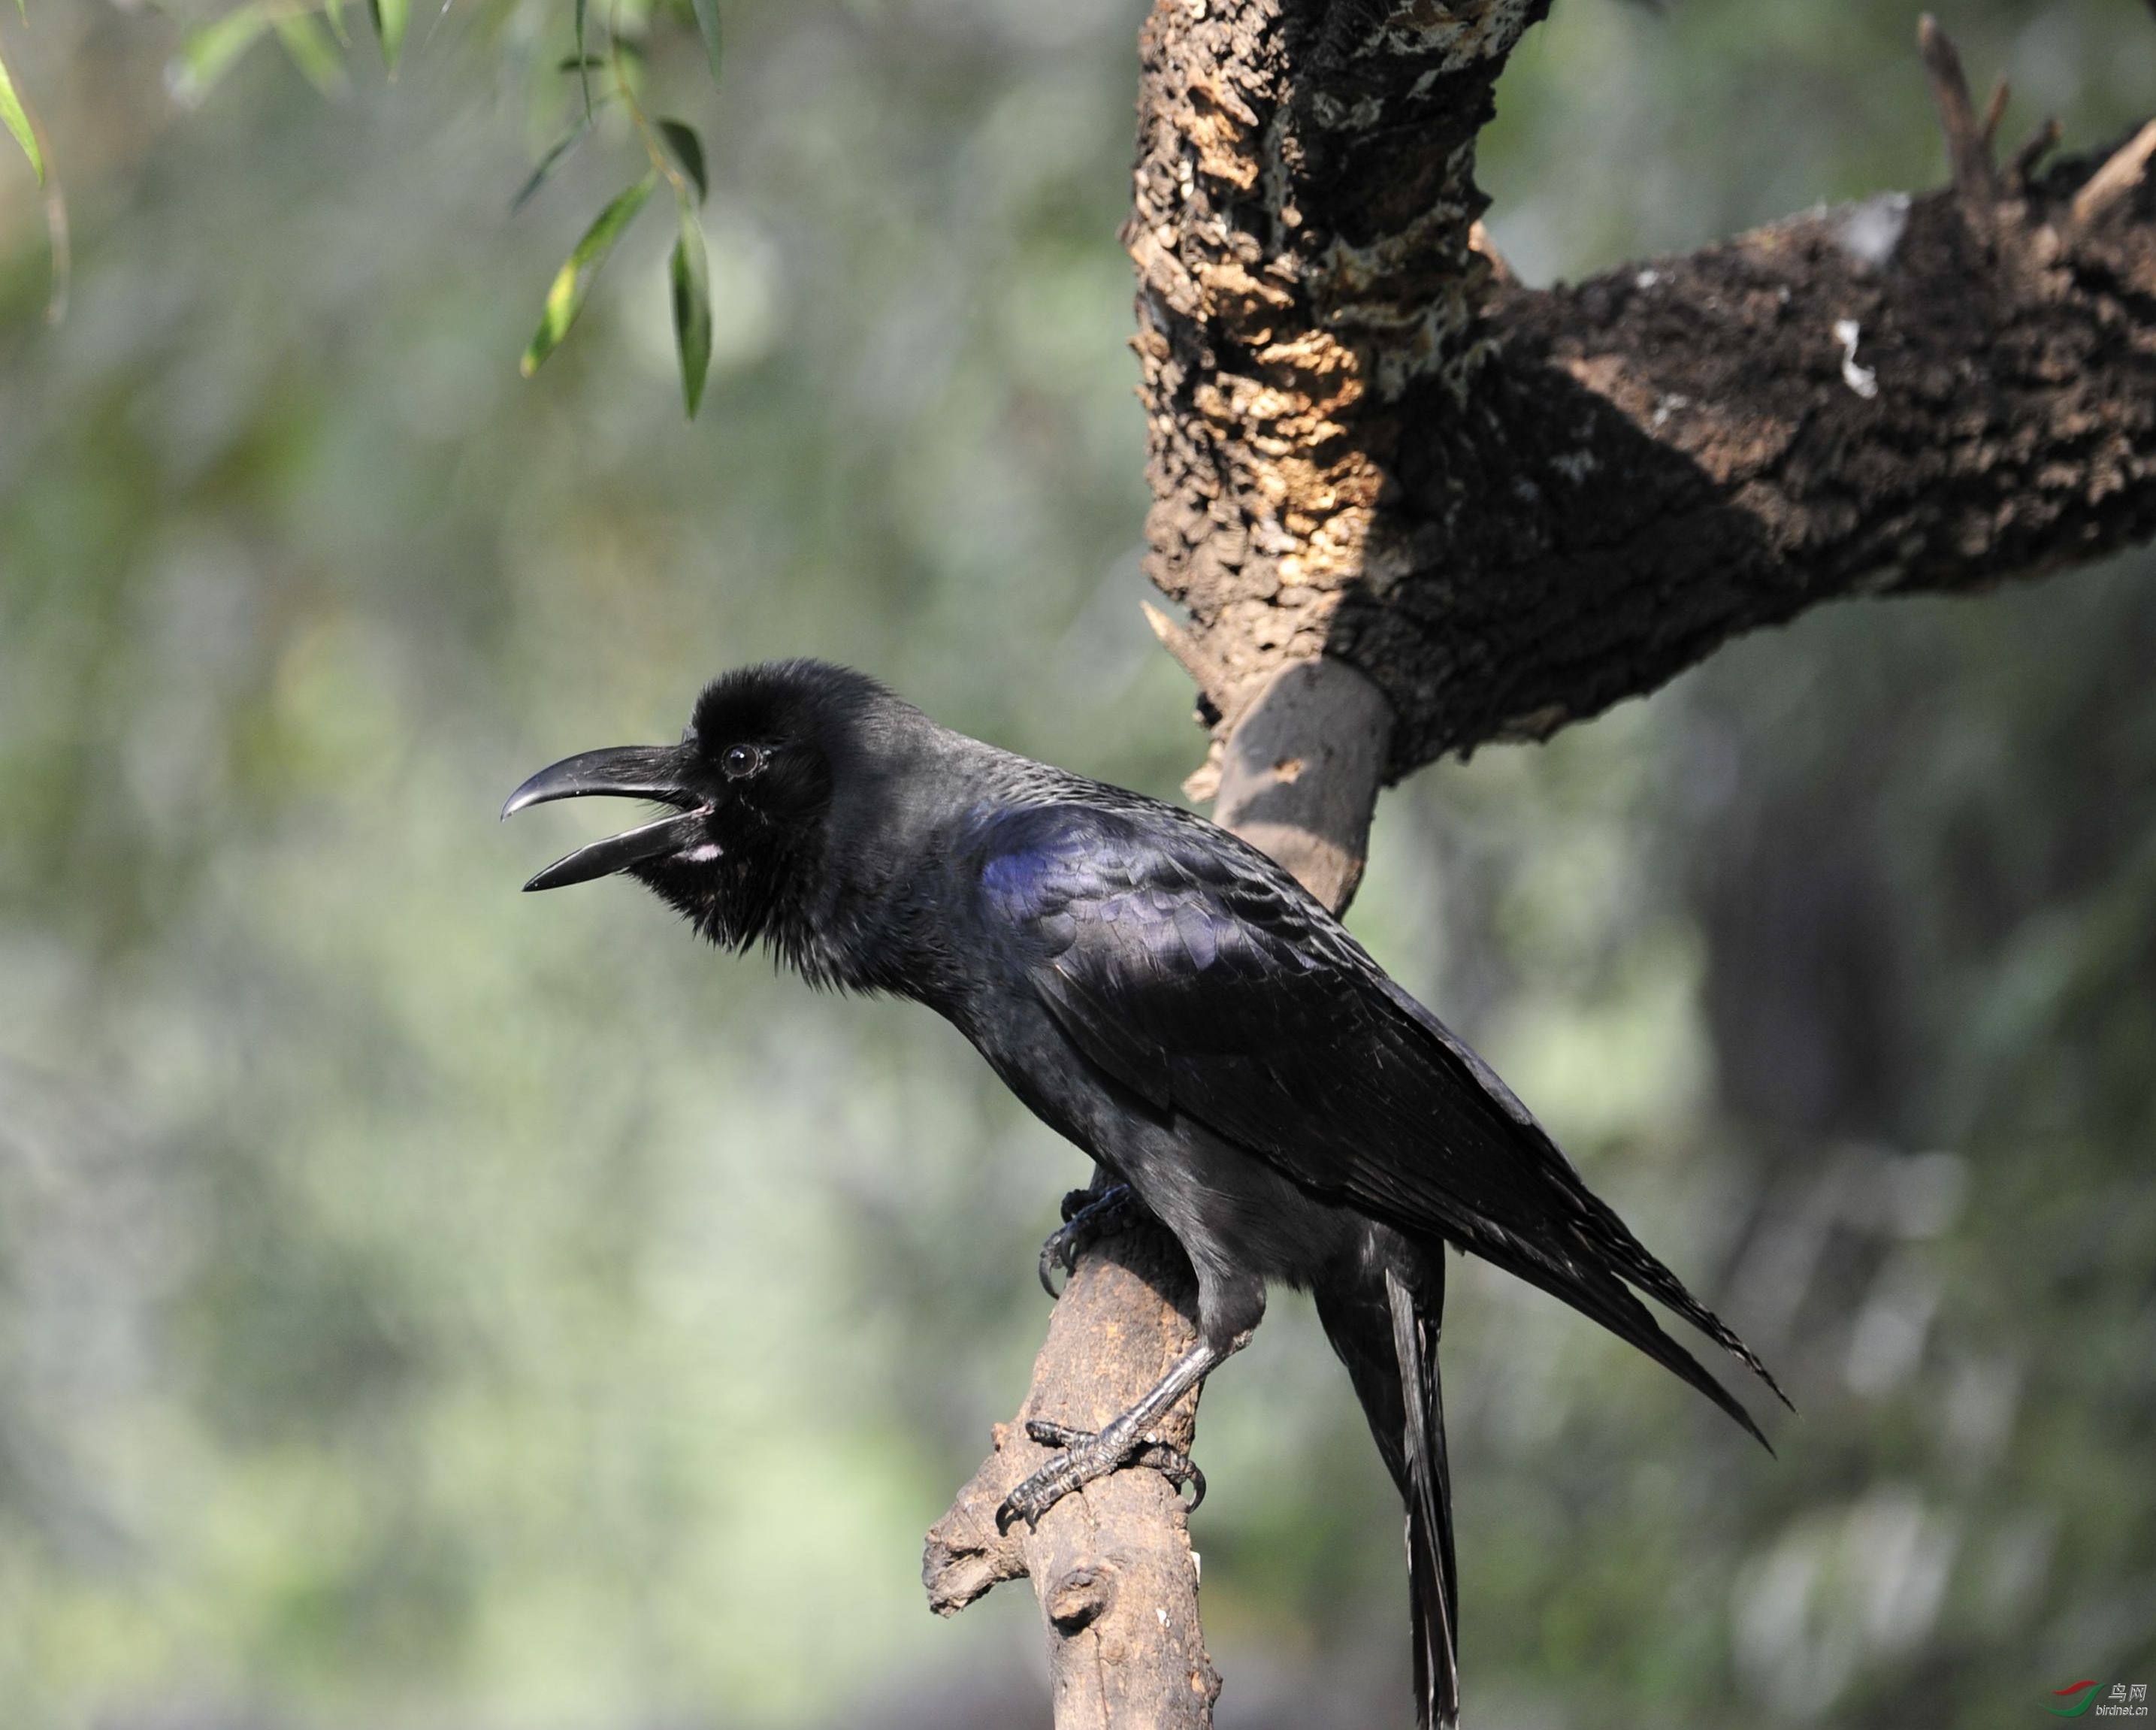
x=1174 y=1002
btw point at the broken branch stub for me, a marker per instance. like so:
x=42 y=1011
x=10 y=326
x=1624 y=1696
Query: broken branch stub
x=1300 y=775
x=1968 y=142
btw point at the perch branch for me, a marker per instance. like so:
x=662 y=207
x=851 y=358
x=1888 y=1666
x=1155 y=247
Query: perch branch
x=1112 y=1563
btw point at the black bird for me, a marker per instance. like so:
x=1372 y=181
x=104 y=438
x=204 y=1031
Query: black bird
x=1174 y=1002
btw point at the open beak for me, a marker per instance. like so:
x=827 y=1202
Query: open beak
x=624 y=772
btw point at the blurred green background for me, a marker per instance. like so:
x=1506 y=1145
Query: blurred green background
x=423 y=1306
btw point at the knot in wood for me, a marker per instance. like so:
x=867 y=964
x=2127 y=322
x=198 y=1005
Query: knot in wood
x=1080 y=1598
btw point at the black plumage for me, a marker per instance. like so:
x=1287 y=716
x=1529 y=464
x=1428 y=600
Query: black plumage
x=1176 y=1004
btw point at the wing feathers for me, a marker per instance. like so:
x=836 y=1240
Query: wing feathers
x=1200 y=975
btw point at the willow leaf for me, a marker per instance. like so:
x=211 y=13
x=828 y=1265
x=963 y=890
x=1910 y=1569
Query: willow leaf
x=707 y=26
x=17 y=119
x=573 y=281
x=311 y=48
x=692 y=274
x=549 y=162
x=208 y=54
x=687 y=150
x=391 y=17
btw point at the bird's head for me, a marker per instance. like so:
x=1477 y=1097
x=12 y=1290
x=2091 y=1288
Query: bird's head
x=750 y=785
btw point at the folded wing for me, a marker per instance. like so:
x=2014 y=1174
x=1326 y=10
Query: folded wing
x=1201 y=976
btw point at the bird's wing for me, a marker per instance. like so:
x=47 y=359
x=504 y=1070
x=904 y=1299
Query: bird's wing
x=1200 y=975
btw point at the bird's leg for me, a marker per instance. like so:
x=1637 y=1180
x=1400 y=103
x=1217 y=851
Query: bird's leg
x=1127 y=1438
x=1088 y=1216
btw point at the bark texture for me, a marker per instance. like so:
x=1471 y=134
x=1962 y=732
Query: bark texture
x=1304 y=201
x=1511 y=508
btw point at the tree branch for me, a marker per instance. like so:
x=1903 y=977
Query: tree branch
x=1881 y=399
x=1112 y=1563
x=1510 y=509
x=1969 y=144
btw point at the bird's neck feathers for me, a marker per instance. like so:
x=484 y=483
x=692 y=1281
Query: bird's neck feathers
x=841 y=917
x=812 y=880
x=752 y=892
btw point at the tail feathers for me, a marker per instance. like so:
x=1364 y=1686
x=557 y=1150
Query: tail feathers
x=1631 y=1258
x=1601 y=1296
x=1426 y=1487
x=1387 y=1335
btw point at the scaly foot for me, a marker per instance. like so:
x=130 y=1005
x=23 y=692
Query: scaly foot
x=1087 y=1456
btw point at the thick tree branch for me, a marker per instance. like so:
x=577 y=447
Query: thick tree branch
x=1510 y=509
x=1303 y=209
x=1887 y=398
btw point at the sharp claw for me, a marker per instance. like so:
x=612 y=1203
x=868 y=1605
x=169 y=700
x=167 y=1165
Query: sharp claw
x=1070 y=1470
x=1038 y=1494
x=1177 y=1467
x=1086 y=1213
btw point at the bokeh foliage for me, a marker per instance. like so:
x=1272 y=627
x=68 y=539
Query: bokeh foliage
x=419 y=1304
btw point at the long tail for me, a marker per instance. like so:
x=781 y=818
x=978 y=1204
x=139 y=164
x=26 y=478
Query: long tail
x=1389 y=1341
x=1591 y=1260
x=1433 y=1572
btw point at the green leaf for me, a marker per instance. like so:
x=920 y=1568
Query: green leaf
x=565 y=298
x=333 y=10
x=15 y=114
x=687 y=150
x=17 y=120
x=584 y=61
x=309 y=47
x=208 y=54
x=549 y=162
x=692 y=274
x=707 y=25
x=390 y=18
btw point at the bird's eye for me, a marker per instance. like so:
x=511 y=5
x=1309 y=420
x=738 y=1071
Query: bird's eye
x=741 y=760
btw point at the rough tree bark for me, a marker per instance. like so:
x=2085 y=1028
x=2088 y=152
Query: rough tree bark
x=1511 y=508
x=1410 y=507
